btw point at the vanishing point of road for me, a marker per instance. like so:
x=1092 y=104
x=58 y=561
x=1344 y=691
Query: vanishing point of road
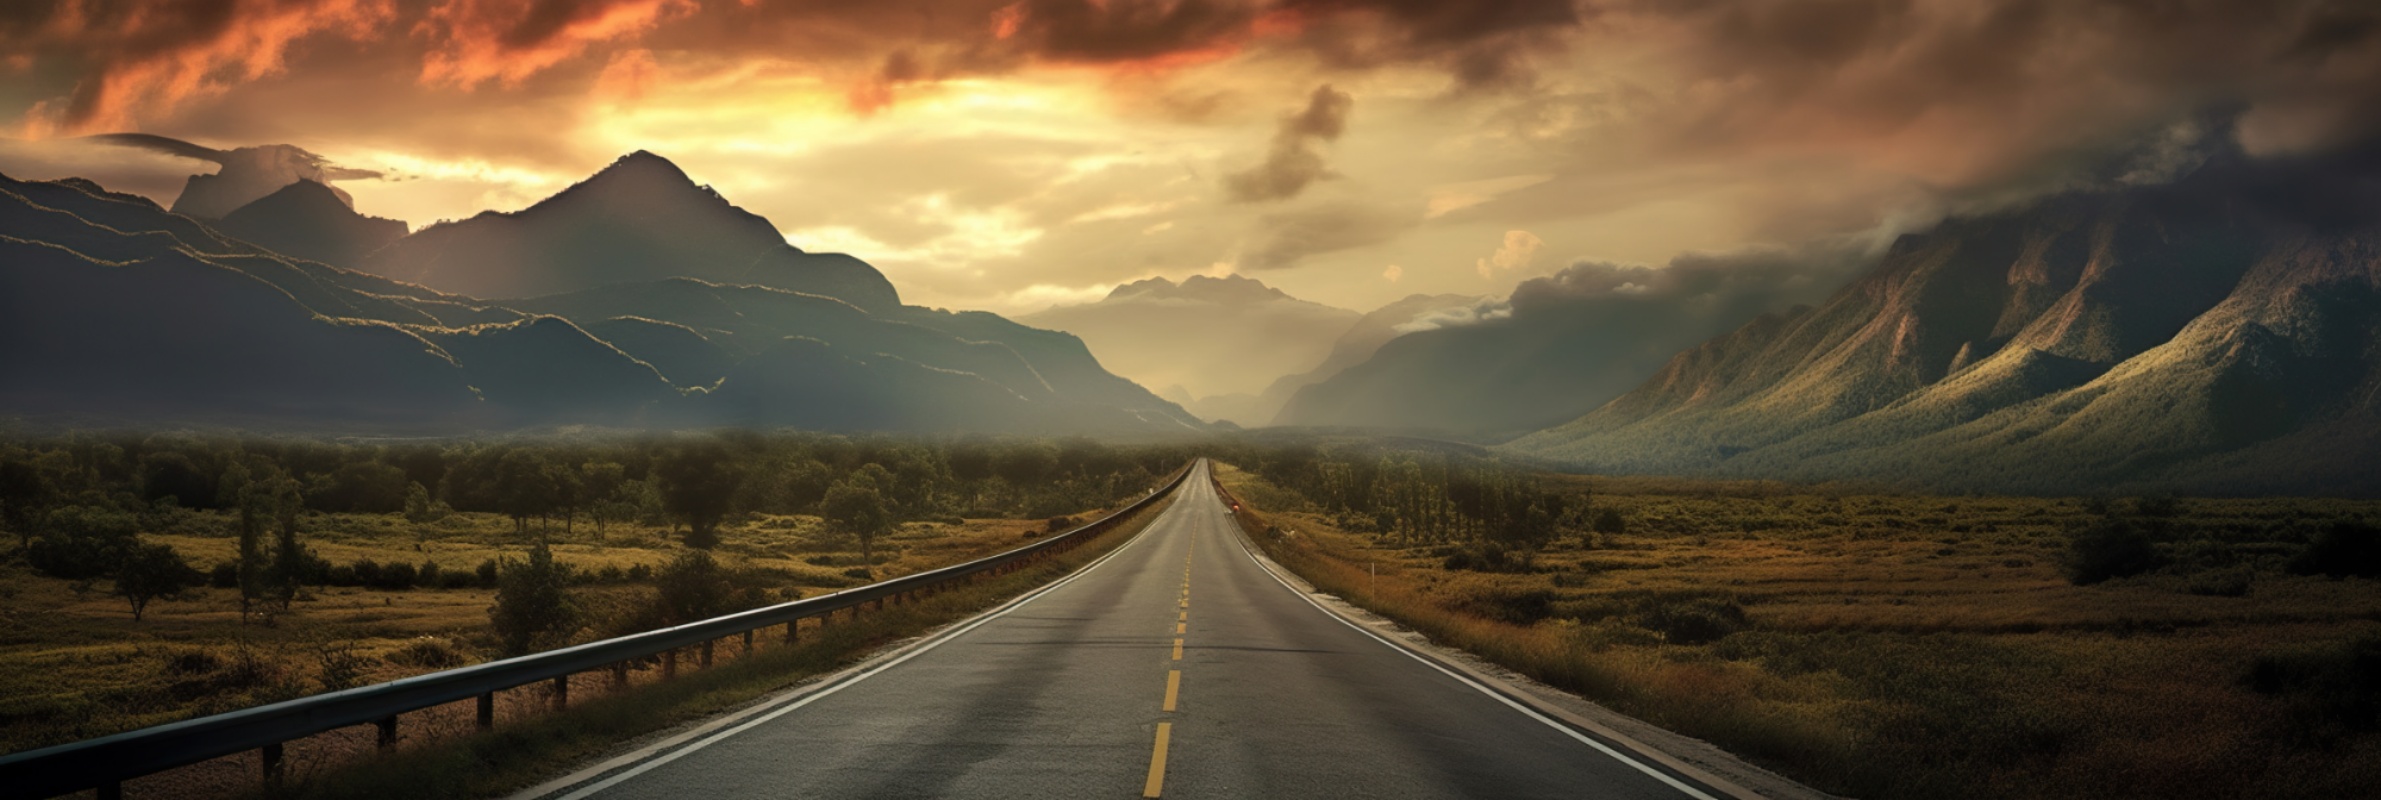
x=1177 y=666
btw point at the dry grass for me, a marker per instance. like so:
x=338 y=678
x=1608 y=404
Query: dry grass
x=74 y=665
x=1902 y=645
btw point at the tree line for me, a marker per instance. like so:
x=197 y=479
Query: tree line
x=77 y=503
x=1426 y=497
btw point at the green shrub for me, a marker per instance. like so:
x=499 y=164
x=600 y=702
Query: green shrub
x=428 y=653
x=1507 y=604
x=691 y=587
x=2110 y=548
x=341 y=667
x=1691 y=619
x=1490 y=557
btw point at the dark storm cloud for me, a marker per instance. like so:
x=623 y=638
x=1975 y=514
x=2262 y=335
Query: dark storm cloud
x=1978 y=90
x=1295 y=160
x=1632 y=316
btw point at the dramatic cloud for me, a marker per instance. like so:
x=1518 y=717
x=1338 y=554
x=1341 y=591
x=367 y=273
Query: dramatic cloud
x=1295 y=160
x=123 y=58
x=1701 y=294
x=476 y=41
x=979 y=149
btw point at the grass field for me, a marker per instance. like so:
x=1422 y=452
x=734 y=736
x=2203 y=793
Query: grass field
x=74 y=664
x=1907 y=646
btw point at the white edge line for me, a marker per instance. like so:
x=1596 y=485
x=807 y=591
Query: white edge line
x=1500 y=697
x=765 y=714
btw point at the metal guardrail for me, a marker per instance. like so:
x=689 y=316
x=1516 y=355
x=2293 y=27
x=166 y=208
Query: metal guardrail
x=104 y=763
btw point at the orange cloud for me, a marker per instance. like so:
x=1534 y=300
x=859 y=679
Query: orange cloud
x=628 y=74
x=147 y=58
x=476 y=41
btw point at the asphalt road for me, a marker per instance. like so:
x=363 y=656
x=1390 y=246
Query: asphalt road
x=1178 y=666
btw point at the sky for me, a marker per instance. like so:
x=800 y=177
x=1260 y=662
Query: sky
x=1012 y=155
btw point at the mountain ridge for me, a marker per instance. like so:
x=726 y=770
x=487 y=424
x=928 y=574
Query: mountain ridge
x=2170 y=336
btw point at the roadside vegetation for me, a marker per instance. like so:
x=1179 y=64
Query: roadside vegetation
x=150 y=578
x=1881 y=645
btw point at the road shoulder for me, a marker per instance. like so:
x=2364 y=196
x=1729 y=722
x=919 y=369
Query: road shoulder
x=1706 y=763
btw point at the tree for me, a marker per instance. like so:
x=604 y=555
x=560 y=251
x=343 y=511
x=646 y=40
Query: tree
x=82 y=542
x=252 y=568
x=533 y=608
x=854 y=506
x=284 y=501
x=151 y=572
x=1027 y=464
x=365 y=486
x=691 y=587
x=171 y=473
x=697 y=483
x=525 y=487
x=971 y=465
x=24 y=495
x=420 y=509
x=599 y=489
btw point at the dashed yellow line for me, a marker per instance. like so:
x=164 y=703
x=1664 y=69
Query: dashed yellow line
x=1178 y=649
x=1182 y=617
x=1181 y=628
x=1156 y=785
x=1173 y=688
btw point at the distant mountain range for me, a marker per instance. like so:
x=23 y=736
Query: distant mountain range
x=2221 y=333
x=1209 y=336
x=1557 y=348
x=113 y=311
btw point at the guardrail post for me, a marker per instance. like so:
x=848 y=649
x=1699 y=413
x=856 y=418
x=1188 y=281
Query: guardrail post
x=793 y=631
x=619 y=674
x=487 y=710
x=669 y=663
x=561 y=692
x=271 y=756
x=747 y=643
x=707 y=653
x=388 y=732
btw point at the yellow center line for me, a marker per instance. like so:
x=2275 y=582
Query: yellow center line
x=1181 y=628
x=1178 y=649
x=1182 y=617
x=1173 y=687
x=1157 y=762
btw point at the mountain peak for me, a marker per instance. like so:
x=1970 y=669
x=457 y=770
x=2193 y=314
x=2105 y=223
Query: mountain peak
x=303 y=191
x=311 y=220
x=641 y=172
